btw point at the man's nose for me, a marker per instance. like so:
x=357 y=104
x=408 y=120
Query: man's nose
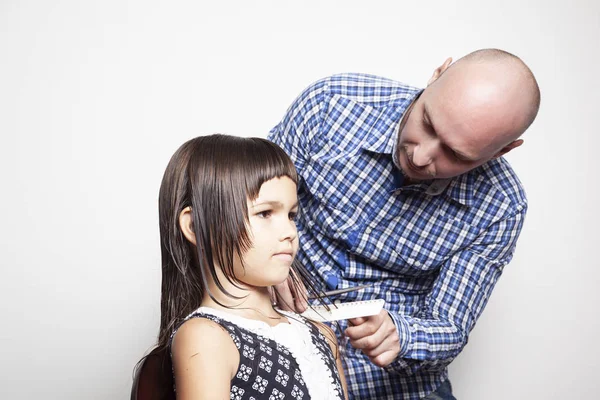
x=423 y=153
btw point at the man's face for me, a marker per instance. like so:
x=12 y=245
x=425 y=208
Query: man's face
x=427 y=151
x=454 y=126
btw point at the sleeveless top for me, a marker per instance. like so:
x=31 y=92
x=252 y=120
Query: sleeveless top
x=287 y=361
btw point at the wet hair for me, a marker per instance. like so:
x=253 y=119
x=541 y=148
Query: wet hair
x=214 y=175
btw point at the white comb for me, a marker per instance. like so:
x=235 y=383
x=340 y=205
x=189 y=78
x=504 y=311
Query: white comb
x=352 y=309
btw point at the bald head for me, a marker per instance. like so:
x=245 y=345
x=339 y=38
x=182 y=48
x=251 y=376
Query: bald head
x=497 y=84
x=471 y=112
x=517 y=70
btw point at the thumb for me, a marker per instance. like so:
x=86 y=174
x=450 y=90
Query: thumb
x=357 y=321
x=272 y=294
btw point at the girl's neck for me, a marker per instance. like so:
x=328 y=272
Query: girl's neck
x=253 y=302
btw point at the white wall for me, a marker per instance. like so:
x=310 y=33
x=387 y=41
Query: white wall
x=96 y=96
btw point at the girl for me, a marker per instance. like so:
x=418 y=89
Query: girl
x=227 y=207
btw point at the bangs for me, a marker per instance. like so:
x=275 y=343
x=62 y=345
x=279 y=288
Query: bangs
x=224 y=173
x=228 y=170
x=272 y=163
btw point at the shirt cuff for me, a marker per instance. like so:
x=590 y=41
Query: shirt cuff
x=404 y=334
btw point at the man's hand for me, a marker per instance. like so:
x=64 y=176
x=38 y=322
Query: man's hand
x=289 y=298
x=376 y=336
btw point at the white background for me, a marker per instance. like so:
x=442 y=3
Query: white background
x=96 y=96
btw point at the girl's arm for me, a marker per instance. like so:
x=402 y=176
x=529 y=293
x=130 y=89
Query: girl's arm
x=333 y=343
x=205 y=360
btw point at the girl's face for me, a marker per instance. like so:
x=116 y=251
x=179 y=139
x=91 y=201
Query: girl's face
x=273 y=233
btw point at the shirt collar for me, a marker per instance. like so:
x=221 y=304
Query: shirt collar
x=385 y=141
x=460 y=189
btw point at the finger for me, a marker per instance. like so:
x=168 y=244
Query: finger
x=299 y=292
x=301 y=302
x=284 y=298
x=373 y=341
x=384 y=359
x=272 y=295
x=368 y=327
x=386 y=343
x=357 y=321
x=378 y=318
x=360 y=331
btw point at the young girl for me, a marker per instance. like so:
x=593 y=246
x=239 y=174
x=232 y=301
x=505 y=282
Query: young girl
x=227 y=208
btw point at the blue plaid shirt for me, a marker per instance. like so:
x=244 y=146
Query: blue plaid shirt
x=433 y=250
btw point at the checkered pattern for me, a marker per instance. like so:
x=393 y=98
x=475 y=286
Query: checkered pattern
x=433 y=250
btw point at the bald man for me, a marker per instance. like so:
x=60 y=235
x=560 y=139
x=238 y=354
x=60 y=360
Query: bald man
x=406 y=190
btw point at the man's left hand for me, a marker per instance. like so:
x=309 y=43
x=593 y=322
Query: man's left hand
x=288 y=297
x=376 y=336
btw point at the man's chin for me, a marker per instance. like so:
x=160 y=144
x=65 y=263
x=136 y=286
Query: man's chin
x=411 y=174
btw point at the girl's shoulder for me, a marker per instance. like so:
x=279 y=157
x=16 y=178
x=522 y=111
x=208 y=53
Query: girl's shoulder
x=205 y=358
x=203 y=345
x=201 y=334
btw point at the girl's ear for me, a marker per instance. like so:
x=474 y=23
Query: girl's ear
x=186 y=224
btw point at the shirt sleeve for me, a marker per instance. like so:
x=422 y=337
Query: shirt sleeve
x=435 y=336
x=300 y=124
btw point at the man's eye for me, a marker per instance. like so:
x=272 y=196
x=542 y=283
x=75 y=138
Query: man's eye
x=428 y=127
x=457 y=157
x=265 y=214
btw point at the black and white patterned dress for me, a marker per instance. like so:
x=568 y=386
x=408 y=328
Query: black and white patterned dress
x=287 y=361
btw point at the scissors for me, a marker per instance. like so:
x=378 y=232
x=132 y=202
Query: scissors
x=338 y=291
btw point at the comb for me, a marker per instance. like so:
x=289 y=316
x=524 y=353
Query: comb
x=338 y=311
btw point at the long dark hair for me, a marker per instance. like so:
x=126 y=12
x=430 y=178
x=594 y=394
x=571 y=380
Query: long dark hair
x=214 y=175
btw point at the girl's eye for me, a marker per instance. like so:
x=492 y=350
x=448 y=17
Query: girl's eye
x=265 y=214
x=293 y=216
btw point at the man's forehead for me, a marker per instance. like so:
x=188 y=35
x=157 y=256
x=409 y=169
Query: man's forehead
x=470 y=131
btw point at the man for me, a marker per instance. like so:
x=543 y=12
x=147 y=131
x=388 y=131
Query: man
x=405 y=190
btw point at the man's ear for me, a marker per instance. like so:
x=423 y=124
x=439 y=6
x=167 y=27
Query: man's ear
x=508 y=147
x=186 y=224
x=440 y=70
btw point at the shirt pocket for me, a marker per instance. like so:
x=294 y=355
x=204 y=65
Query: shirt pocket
x=327 y=210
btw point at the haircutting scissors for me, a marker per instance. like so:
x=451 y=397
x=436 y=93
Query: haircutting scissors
x=338 y=291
